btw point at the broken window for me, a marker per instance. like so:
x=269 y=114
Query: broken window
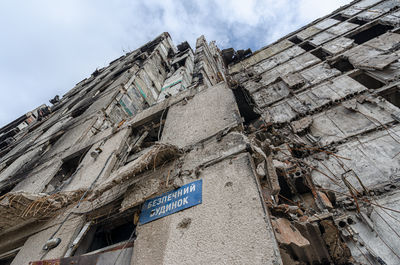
x=245 y=104
x=339 y=17
x=137 y=142
x=65 y=173
x=6 y=189
x=367 y=80
x=108 y=231
x=183 y=46
x=393 y=96
x=307 y=46
x=7 y=257
x=295 y=40
x=180 y=63
x=6 y=261
x=370 y=33
x=342 y=64
x=143 y=137
x=358 y=21
x=142 y=140
x=320 y=53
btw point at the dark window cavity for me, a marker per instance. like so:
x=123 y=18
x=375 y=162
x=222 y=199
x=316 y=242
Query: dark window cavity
x=367 y=80
x=370 y=33
x=342 y=64
x=340 y=17
x=295 y=40
x=320 y=53
x=307 y=46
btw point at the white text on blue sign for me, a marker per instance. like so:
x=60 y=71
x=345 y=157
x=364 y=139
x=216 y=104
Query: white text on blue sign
x=171 y=202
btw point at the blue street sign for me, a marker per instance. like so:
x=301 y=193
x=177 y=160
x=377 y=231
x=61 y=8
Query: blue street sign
x=171 y=202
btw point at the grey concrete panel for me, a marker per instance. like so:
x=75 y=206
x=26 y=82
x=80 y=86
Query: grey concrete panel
x=326 y=23
x=18 y=163
x=322 y=37
x=352 y=10
x=386 y=42
x=37 y=180
x=338 y=45
x=270 y=94
x=308 y=32
x=32 y=249
x=227 y=228
x=99 y=167
x=281 y=112
x=372 y=158
x=342 y=28
x=204 y=115
x=318 y=74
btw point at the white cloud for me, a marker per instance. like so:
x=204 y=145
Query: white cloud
x=48 y=46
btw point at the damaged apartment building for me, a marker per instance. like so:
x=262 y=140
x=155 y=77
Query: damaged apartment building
x=196 y=155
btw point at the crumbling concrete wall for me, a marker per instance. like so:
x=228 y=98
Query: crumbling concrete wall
x=208 y=113
x=327 y=95
x=297 y=146
x=235 y=230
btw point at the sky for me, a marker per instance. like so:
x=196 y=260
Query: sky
x=48 y=46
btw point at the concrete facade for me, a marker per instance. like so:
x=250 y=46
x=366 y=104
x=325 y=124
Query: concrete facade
x=297 y=146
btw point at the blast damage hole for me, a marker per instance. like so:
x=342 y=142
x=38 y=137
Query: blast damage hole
x=343 y=65
x=370 y=33
x=245 y=104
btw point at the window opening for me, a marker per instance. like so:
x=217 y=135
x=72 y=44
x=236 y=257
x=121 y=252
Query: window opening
x=370 y=33
x=7 y=138
x=245 y=104
x=358 y=21
x=112 y=229
x=320 y=53
x=6 y=190
x=183 y=46
x=307 y=46
x=393 y=96
x=339 y=17
x=108 y=234
x=180 y=63
x=295 y=40
x=342 y=64
x=367 y=80
x=65 y=173
x=7 y=261
x=8 y=257
x=144 y=137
